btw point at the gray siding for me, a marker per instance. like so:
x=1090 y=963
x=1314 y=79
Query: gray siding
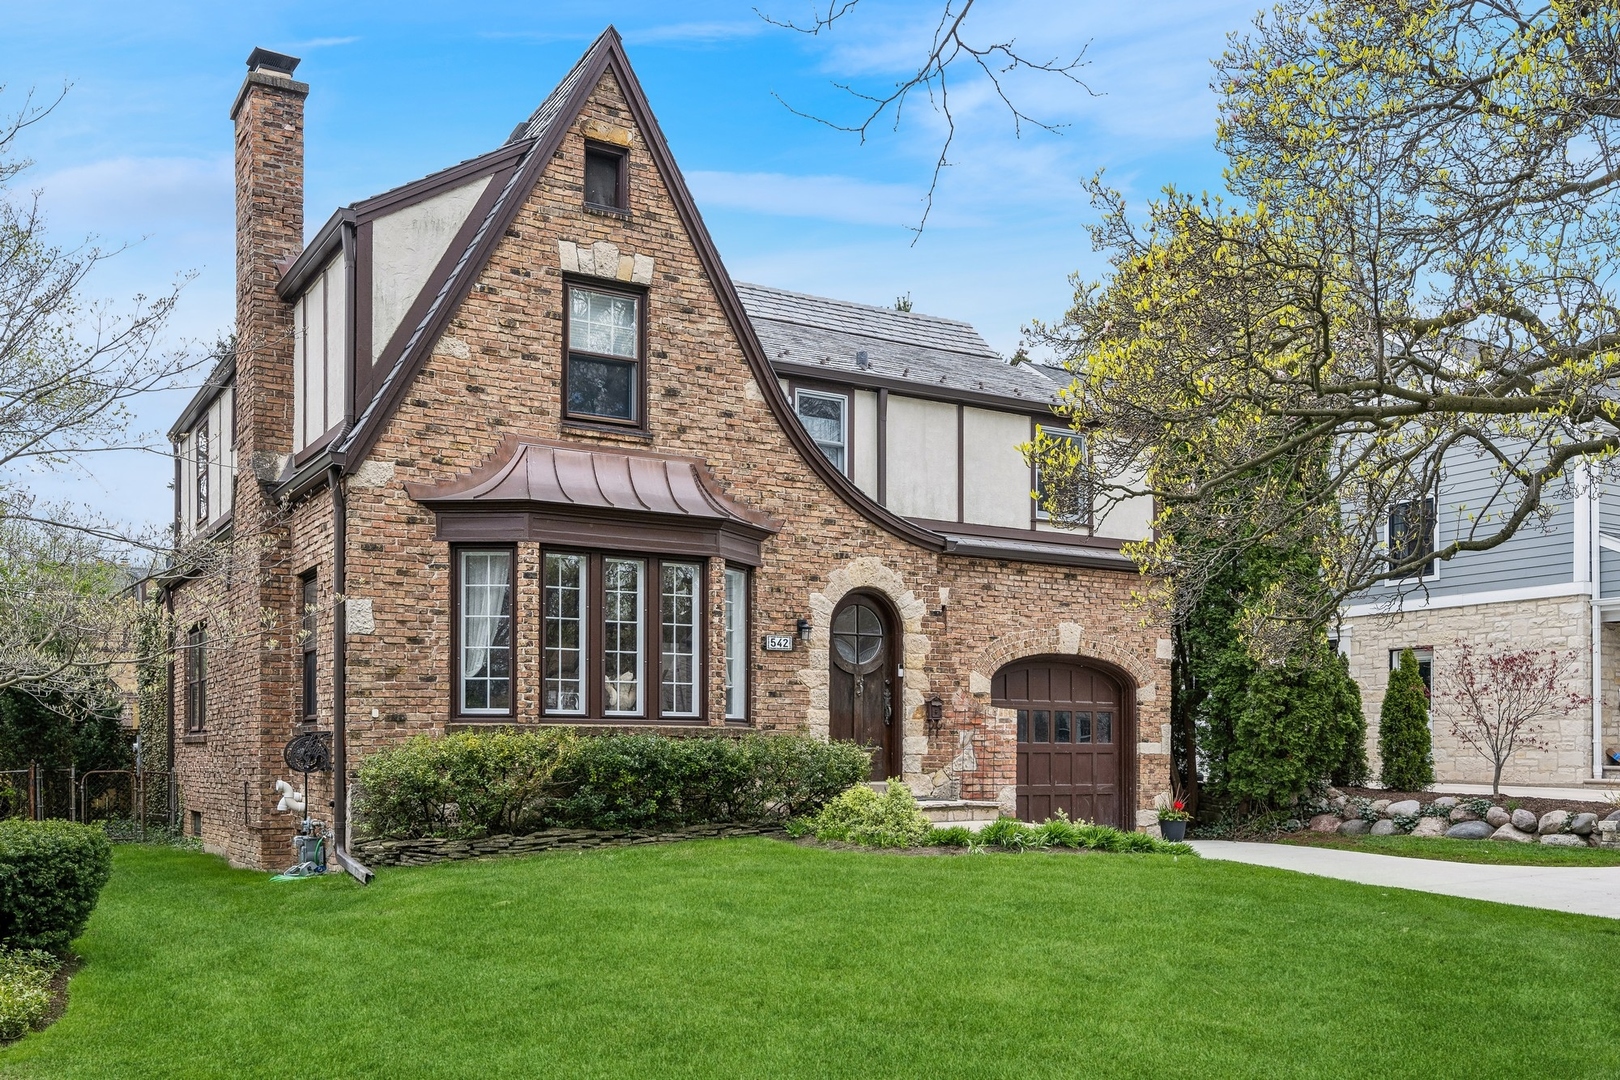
x=1609 y=523
x=1539 y=554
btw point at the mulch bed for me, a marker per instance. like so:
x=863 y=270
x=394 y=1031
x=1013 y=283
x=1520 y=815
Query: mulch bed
x=1535 y=806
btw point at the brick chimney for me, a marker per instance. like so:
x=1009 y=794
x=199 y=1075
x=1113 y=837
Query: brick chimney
x=269 y=117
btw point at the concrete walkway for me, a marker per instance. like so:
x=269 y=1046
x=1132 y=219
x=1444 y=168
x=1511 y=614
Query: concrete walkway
x=1581 y=890
x=1571 y=792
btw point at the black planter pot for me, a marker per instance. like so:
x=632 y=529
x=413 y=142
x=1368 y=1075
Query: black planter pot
x=1173 y=830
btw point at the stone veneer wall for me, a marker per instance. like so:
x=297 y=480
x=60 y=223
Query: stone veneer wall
x=1561 y=623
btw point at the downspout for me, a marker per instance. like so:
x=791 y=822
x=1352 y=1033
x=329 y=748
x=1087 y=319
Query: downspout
x=168 y=596
x=1595 y=553
x=340 y=711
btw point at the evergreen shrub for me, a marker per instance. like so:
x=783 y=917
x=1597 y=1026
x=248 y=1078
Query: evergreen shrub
x=862 y=816
x=51 y=873
x=1403 y=729
x=489 y=782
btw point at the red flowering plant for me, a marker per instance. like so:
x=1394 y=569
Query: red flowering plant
x=1176 y=811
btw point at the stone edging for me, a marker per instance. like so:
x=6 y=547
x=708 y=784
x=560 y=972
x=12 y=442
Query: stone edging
x=1451 y=816
x=432 y=849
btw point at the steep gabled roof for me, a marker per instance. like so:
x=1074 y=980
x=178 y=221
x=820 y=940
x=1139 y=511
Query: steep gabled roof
x=801 y=332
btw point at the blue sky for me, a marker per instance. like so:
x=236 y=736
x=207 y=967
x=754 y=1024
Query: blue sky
x=139 y=153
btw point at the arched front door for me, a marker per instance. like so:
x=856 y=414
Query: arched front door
x=1072 y=736
x=861 y=691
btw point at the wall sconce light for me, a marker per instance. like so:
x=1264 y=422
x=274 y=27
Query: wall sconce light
x=934 y=714
x=804 y=630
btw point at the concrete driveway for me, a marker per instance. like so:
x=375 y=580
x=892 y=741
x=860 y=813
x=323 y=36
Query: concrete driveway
x=1581 y=890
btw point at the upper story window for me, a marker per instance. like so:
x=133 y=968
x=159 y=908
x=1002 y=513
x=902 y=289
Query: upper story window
x=484 y=630
x=606 y=177
x=826 y=418
x=1045 y=493
x=1412 y=529
x=604 y=356
x=200 y=447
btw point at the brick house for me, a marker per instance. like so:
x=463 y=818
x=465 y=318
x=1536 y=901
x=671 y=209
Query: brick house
x=507 y=445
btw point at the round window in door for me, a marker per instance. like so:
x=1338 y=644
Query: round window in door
x=861 y=687
x=1072 y=730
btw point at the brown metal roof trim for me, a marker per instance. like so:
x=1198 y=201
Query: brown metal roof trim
x=581 y=476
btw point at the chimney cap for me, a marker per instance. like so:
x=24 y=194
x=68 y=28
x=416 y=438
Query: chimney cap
x=266 y=60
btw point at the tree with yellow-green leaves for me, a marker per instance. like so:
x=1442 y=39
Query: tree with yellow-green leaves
x=1413 y=264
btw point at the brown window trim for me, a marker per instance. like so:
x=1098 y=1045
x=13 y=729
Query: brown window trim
x=747 y=718
x=621 y=204
x=829 y=390
x=456 y=551
x=309 y=689
x=196 y=675
x=639 y=422
x=1036 y=520
x=651 y=639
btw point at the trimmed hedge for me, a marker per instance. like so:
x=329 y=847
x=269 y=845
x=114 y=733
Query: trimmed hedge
x=51 y=873
x=483 y=783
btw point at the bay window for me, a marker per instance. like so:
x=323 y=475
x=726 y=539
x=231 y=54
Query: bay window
x=601 y=617
x=736 y=620
x=484 y=631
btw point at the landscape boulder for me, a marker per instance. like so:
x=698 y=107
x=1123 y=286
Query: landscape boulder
x=1459 y=814
x=1553 y=821
x=1380 y=805
x=1384 y=827
x=1446 y=801
x=1325 y=823
x=1613 y=817
x=1498 y=816
x=1524 y=820
x=1469 y=830
x=1563 y=839
x=1583 y=824
x=1404 y=807
x=1430 y=827
x=1354 y=827
x=1508 y=832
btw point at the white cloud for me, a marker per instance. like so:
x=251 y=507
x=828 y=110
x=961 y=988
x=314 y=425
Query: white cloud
x=826 y=198
x=695 y=33
x=323 y=42
x=124 y=198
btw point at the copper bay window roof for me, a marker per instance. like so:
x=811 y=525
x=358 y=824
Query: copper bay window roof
x=574 y=494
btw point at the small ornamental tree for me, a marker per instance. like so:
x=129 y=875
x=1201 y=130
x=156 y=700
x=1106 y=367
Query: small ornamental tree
x=1403 y=729
x=1502 y=697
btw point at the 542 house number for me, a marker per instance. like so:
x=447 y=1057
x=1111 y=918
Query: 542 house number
x=778 y=642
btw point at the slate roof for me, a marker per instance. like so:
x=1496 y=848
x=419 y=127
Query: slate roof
x=925 y=350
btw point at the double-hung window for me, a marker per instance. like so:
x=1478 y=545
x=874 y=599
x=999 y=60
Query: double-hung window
x=484 y=631
x=1412 y=532
x=736 y=622
x=826 y=419
x=622 y=636
x=1072 y=503
x=306 y=628
x=201 y=465
x=196 y=664
x=604 y=356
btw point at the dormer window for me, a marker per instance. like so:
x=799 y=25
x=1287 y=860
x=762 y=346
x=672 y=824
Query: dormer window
x=606 y=177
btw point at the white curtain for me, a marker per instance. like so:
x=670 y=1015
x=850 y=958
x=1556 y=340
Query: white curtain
x=485 y=577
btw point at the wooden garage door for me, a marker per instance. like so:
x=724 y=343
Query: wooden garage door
x=1071 y=734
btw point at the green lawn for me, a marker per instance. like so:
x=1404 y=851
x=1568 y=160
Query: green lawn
x=758 y=958
x=1469 y=851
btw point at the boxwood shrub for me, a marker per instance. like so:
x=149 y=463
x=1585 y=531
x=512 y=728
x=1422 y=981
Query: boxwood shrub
x=51 y=873
x=480 y=783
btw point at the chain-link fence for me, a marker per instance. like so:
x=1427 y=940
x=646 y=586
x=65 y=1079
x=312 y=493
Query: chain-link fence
x=129 y=804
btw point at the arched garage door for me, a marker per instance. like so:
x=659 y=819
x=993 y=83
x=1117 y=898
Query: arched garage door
x=1072 y=735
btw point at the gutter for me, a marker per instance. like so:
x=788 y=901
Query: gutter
x=340 y=704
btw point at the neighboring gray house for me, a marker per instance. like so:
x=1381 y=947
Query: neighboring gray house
x=1554 y=585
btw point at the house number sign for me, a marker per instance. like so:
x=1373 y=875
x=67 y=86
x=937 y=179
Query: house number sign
x=778 y=642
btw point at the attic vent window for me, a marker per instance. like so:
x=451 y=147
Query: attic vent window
x=862 y=361
x=606 y=178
